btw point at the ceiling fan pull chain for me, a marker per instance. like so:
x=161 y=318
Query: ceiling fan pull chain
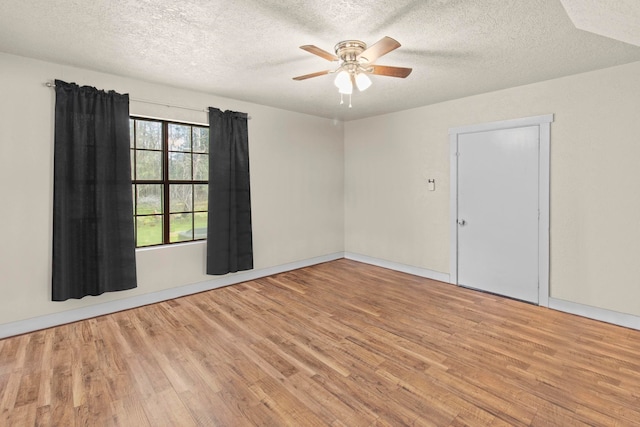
x=349 y=100
x=341 y=100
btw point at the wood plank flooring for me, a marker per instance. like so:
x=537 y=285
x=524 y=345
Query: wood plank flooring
x=337 y=344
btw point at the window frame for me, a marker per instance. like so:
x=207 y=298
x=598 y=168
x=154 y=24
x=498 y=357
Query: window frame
x=165 y=180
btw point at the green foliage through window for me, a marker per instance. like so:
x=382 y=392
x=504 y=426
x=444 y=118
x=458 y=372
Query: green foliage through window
x=170 y=172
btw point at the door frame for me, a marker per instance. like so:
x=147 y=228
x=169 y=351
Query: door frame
x=544 y=127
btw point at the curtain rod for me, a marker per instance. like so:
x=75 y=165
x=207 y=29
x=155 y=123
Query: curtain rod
x=164 y=104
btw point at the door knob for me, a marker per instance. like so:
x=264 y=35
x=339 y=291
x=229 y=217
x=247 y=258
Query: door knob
x=461 y=222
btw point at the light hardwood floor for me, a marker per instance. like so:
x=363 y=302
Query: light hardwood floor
x=338 y=344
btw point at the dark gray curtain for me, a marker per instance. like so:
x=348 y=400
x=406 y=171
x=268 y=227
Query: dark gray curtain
x=229 y=237
x=93 y=236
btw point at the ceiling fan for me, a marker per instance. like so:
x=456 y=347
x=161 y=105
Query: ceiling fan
x=355 y=61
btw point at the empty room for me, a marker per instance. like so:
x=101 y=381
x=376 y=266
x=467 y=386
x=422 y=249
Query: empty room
x=340 y=213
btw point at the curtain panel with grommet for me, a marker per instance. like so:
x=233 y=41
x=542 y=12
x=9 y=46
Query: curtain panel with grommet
x=93 y=231
x=229 y=233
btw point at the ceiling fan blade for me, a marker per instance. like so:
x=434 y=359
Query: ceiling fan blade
x=381 y=47
x=308 y=76
x=384 y=70
x=320 y=52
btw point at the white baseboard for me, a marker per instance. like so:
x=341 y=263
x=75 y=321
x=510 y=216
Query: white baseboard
x=56 y=319
x=604 y=315
x=416 y=271
x=601 y=314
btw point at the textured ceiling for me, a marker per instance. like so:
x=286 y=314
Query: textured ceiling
x=619 y=19
x=249 y=49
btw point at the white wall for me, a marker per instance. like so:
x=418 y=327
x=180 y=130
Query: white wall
x=297 y=184
x=595 y=173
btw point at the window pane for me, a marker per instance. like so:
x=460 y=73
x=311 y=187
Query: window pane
x=180 y=198
x=200 y=222
x=148 y=135
x=149 y=230
x=133 y=194
x=201 y=167
x=131 y=133
x=180 y=227
x=149 y=200
x=200 y=140
x=200 y=197
x=179 y=138
x=148 y=164
x=180 y=166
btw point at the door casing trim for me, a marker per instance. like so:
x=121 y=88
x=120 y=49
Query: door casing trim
x=544 y=124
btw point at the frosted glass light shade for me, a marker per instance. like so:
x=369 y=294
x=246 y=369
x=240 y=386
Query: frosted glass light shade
x=343 y=82
x=362 y=81
x=346 y=90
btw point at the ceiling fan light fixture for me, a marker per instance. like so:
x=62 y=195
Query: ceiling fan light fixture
x=346 y=89
x=343 y=81
x=363 y=82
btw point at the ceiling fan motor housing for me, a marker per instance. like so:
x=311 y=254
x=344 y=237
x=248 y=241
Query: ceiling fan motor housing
x=348 y=51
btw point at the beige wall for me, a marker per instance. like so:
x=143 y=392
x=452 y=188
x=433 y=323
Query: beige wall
x=595 y=173
x=296 y=177
x=310 y=174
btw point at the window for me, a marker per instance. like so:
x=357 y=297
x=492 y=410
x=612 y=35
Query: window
x=170 y=172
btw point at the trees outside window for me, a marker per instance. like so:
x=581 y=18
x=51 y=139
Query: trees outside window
x=169 y=172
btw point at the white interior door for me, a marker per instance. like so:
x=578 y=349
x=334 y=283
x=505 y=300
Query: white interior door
x=498 y=211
